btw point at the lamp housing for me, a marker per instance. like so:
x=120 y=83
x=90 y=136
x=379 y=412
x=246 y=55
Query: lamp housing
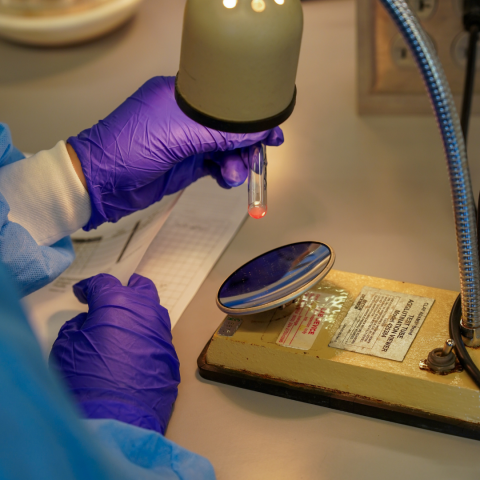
x=238 y=63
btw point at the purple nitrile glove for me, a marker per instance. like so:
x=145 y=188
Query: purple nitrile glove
x=118 y=359
x=148 y=148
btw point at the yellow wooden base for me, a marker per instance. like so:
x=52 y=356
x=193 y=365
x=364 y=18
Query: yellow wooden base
x=253 y=349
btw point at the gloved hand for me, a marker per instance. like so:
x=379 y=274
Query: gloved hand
x=148 y=148
x=118 y=359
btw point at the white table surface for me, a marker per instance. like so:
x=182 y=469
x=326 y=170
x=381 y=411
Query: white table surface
x=375 y=188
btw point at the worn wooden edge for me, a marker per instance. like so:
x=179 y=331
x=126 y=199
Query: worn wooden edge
x=336 y=400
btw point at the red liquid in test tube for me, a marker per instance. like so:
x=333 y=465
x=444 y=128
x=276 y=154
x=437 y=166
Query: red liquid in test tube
x=257 y=182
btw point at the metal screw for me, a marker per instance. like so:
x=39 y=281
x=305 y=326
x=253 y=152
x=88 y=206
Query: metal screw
x=447 y=348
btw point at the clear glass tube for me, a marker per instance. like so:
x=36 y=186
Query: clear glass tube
x=257 y=181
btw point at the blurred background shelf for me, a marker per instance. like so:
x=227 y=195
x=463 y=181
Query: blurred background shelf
x=62 y=22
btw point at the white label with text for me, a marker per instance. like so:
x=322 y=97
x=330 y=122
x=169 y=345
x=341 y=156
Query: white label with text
x=304 y=323
x=382 y=323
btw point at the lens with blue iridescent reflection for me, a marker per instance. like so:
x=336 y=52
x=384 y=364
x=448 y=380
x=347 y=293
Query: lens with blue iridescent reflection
x=276 y=277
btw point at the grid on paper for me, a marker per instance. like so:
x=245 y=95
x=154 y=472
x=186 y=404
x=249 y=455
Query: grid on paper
x=198 y=230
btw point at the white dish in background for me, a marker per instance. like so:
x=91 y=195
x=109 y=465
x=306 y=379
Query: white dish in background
x=69 y=27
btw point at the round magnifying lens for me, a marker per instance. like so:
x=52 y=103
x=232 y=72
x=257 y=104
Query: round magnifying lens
x=275 y=278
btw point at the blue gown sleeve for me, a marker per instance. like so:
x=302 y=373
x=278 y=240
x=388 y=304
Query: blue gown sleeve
x=8 y=153
x=30 y=265
x=42 y=436
x=136 y=449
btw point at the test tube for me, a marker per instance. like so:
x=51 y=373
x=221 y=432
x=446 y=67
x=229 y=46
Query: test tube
x=257 y=181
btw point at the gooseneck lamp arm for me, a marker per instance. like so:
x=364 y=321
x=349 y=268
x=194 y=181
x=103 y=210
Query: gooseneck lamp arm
x=454 y=145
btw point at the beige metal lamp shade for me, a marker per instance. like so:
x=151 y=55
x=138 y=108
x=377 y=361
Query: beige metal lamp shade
x=238 y=62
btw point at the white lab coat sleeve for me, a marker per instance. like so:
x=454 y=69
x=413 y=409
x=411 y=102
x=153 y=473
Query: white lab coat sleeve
x=45 y=195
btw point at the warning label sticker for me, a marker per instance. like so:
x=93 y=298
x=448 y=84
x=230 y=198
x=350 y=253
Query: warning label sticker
x=304 y=323
x=382 y=323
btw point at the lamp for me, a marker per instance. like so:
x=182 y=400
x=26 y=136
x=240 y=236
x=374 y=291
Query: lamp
x=238 y=63
x=229 y=88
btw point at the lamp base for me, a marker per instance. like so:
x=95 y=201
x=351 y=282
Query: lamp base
x=336 y=400
x=231 y=126
x=345 y=380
